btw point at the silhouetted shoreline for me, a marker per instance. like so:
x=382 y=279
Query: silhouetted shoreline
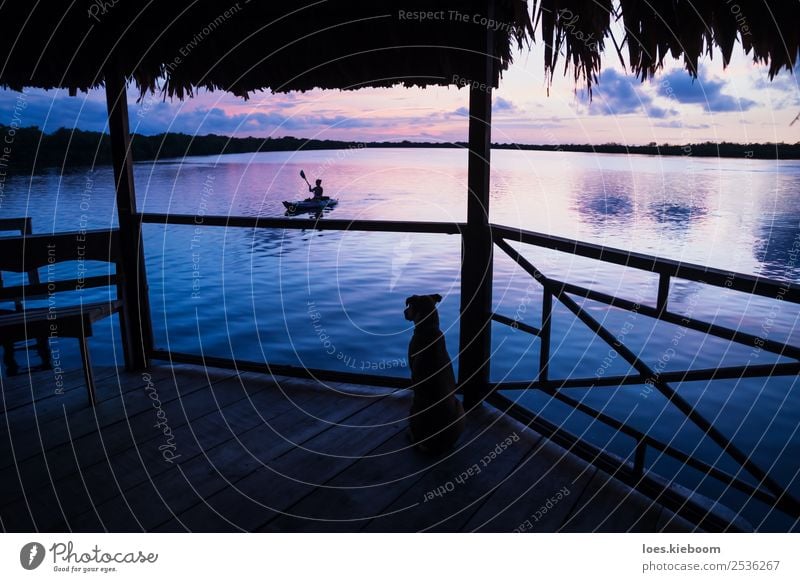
x=69 y=148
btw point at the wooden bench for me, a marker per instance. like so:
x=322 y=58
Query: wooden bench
x=25 y=254
x=22 y=226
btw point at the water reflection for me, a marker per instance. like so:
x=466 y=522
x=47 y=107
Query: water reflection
x=676 y=216
x=270 y=242
x=601 y=208
x=777 y=247
x=604 y=199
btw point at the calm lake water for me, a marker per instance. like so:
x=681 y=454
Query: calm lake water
x=335 y=300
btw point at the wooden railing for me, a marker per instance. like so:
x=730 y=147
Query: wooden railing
x=764 y=488
x=305 y=223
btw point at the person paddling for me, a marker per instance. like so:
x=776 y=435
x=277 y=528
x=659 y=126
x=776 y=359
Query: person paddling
x=317 y=190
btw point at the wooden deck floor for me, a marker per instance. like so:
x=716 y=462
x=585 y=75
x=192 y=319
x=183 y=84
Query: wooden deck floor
x=210 y=450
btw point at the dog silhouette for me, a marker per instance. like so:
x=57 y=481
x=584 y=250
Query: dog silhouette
x=437 y=416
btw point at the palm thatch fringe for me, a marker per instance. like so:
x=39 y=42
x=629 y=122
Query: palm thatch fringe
x=179 y=46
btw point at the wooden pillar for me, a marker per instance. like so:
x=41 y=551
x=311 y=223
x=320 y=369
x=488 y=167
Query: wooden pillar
x=477 y=247
x=137 y=328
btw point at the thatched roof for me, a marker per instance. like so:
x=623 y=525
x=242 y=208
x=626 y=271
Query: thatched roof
x=241 y=46
x=245 y=45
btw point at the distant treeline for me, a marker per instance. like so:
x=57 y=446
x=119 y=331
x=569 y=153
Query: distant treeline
x=21 y=148
x=761 y=151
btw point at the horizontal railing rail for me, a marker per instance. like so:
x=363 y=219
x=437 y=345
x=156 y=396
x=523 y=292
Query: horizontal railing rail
x=683 y=320
x=304 y=223
x=664 y=267
x=726 y=373
x=281 y=369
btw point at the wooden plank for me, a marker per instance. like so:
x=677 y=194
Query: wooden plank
x=43 y=290
x=264 y=481
x=33 y=251
x=607 y=505
x=448 y=494
x=40 y=387
x=42 y=411
x=94 y=447
x=212 y=422
x=270 y=490
x=451 y=513
x=28 y=435
x=42 y=477
x=201 y=476
x=74 y=321
x=120 y=398
x=349 y=501
x=73 y=464
x=529 y=499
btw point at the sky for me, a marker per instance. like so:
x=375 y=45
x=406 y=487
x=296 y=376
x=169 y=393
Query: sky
x=738 y=104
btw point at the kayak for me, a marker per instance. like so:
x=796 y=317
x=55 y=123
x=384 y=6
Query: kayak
x=310 y=204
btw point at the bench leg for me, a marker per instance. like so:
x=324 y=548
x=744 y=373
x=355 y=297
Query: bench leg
x=12 y=369
x=87 y=368
x=43 y=349
x=126 y=341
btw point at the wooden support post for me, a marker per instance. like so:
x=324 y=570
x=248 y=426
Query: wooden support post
x=663 y=293
x=547 y=327
x=639 y=458
x=477 y=246
x=138 y=326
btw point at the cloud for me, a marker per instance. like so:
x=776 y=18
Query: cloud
x=782 y=82
x=50 y=110
x=501 y=104
x=156 y=116
x=278 y=100
x=617 y=94
x=782 y=92
x=678 y=85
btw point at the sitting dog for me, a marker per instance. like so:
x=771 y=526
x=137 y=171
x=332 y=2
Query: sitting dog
x=437 y=417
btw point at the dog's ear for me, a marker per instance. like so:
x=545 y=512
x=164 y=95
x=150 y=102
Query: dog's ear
x=436 y=297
